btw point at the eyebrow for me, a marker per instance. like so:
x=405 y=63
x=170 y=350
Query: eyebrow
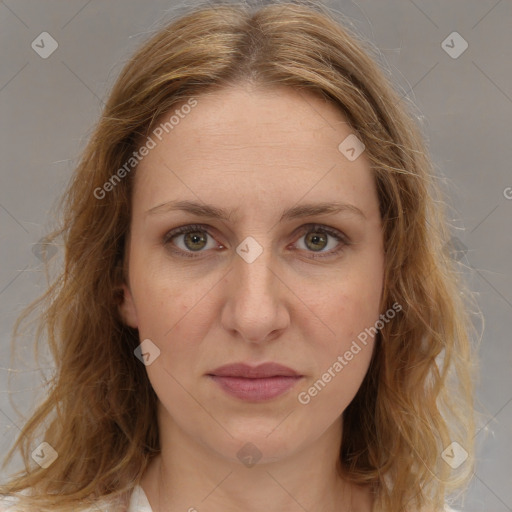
x=295 y=212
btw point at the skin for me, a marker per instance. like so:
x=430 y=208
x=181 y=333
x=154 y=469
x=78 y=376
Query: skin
x=254 y=152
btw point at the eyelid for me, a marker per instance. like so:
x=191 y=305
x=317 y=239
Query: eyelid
x=341 y=237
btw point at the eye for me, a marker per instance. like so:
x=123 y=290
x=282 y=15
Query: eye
x=195 y=239
x=317 y=238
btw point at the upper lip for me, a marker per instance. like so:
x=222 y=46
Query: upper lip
x=261 y=371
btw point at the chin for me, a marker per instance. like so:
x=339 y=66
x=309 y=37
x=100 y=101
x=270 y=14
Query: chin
x=261 y=442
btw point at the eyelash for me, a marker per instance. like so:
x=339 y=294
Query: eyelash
x=191 y=228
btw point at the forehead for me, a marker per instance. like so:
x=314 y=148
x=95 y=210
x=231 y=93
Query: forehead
x=263 y=145
x=278 y=117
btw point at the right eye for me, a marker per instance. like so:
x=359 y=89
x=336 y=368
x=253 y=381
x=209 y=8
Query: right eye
x=194 y=239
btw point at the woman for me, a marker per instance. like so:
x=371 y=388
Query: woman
x=257 y=311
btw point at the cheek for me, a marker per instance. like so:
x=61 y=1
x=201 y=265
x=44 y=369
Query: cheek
x=350 y=306
x=350 y=309
x=163 y=295
x=344 y=355
x=175 y=311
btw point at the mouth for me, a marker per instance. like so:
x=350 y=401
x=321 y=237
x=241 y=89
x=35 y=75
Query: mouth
x=255 y=384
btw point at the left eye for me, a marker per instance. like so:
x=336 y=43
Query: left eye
x=318 y=240
x=195 y=239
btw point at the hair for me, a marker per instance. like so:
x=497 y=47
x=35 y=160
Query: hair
x=417 y=396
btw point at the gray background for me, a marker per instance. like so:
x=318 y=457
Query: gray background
x=49 y=106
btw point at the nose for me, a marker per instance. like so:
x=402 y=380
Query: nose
x=256 y=308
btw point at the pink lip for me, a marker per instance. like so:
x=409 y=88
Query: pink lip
x=256 y=384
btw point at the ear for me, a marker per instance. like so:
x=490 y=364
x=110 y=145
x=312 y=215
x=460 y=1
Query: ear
x=127 y=308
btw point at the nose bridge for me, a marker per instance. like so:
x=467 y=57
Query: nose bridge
x=253 y=268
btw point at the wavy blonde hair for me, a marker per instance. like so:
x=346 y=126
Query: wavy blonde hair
x=417 y=396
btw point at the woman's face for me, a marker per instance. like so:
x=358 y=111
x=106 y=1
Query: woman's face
x=269 y=283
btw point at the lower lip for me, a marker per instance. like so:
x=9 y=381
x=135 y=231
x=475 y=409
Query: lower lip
x=255 y=390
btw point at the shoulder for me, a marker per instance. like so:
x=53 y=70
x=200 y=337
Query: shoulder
x=138 y=503
x=12 y=504
x=446 y=508
x=9 y=503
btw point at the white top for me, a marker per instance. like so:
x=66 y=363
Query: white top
x=138 y=503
